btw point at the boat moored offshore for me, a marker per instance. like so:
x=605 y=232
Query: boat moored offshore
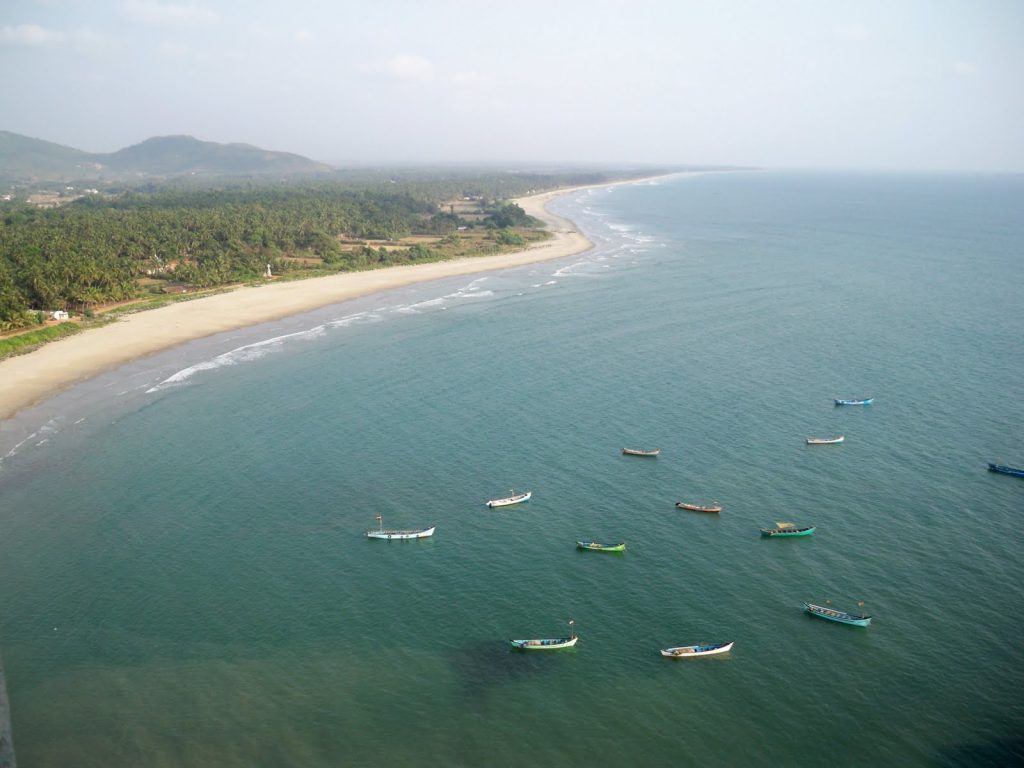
x=512 y=498
x=854 y=619
x=641 y=452
x=594 y=546
x=547 y=643
x=1003 y=469
x=864 y=401
x=825 y=440
x=690 y=651
x=698 y=507
x=381 y=533
x=788 y=529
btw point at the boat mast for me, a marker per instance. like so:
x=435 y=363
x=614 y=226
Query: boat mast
x=571 y=622
x=380 y=524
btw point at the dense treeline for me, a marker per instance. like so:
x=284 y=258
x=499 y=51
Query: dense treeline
x=430 y=184
x=95 y=250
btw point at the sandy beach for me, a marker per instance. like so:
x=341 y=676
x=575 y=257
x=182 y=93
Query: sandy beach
x=30 y=378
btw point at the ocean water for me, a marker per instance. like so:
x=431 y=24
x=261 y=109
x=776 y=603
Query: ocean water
x=185 y=580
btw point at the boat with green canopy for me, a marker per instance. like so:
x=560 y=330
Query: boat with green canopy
x=597 y=547
x=788 y=529
x=547 y=643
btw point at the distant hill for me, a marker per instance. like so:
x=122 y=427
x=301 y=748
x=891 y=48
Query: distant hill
x=25 y=158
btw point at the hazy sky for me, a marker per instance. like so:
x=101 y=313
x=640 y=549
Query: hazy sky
x=897 y=84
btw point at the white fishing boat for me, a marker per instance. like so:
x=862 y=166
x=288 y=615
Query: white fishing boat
x=689 y=651
x=825 y=440
x=381 y=533
x=545 y=644
x=512 y=498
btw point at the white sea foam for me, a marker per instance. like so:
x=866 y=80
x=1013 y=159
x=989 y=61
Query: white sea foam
x=15 y=449
x=469 y=294
x=243 y=354
x=415 y=308
x=576 y=268
x=475 y=283
x=49 y=428
x=358 y=317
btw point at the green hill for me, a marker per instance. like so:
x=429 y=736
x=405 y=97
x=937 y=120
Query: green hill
x=21 y=156
x=176 y=155
x=24 y=158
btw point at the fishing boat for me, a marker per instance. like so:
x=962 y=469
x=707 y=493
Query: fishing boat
x=380 y=533
x=689 y=651
x=857 y=620
x=595 y=547
x=698 y=507
x=865 y=401
x=549 y=643
x=639 y=452
x=787 y=529
x=1005 y=470
x=825 y=440
x=512 y=498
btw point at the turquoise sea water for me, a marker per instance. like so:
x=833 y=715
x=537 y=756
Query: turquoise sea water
x=185 y=581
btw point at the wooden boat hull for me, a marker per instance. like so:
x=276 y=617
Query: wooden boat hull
x=508 y=502
x=638 y=452
x=1005 y=470
x=866 y=401
x=693 y=651
x=825 y=440
x=545 y=644
x=696 y=507
x=392 y=535
x=593 y=546
x=842 y=617
x=772 y=532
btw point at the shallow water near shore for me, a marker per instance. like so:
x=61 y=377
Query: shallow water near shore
x=185 y=580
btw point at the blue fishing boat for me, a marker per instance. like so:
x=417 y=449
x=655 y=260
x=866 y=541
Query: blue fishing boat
x=865 y=401
x=1005 y=470
x=857 y=620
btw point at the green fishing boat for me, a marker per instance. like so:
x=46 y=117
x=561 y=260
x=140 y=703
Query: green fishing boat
x=788 y=529
x=596 y=547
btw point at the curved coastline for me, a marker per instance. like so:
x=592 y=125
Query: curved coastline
x=34 y=377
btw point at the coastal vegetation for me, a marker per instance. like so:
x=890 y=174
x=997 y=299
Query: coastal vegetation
x=133 y=245
x=102 y=250
x=96 y=251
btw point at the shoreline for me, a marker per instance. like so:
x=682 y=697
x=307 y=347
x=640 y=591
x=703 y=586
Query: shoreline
x=31 y=378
